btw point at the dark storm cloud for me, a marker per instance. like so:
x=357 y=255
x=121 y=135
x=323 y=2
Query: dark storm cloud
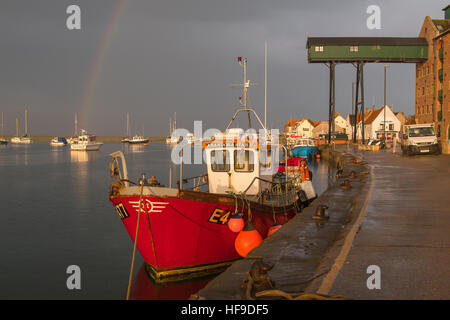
x=167 y=56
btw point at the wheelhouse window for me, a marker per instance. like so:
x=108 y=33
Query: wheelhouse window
x=220 y=161
x=354 y=48
x=265 y=158
x=243 y=161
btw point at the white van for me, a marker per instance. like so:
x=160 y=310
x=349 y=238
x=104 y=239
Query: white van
x=419 y=139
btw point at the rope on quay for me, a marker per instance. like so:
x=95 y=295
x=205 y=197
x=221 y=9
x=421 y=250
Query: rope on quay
x=283 y=294
x=130 y=278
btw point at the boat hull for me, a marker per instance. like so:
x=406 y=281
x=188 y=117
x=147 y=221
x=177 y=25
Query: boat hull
x=181 y=238
x=145 y=141
x=57 y=144
x=86 y=147
x=304 y=152
x=21 y=140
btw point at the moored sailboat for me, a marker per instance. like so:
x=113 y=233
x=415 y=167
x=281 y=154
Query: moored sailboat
x=185 y=232
x=24 y=139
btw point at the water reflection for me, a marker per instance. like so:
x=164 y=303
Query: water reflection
x=83 y=156
x=145 y=289
x=22 y=155
x=134 y=148
x=57 y=153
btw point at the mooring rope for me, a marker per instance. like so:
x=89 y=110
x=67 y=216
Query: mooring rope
x=135 y=239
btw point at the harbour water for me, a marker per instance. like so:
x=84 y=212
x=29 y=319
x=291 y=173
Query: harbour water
x=56 y=213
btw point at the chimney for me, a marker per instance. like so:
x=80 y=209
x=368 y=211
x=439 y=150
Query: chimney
x=373 y=108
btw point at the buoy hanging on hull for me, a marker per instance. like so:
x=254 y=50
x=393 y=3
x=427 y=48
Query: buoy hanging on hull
x=236 y=222
x=248 y=239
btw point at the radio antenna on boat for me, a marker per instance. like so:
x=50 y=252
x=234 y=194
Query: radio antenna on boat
x=246 y=84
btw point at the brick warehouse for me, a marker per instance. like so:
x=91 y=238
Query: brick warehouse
x=433 y=78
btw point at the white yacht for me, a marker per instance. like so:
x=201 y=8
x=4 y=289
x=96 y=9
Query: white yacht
x=86 y=142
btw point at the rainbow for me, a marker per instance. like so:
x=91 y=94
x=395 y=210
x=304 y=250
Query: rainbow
x=97 y=62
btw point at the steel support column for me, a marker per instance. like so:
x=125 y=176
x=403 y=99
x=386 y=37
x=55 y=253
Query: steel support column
x=359 y=105
x=332 y=102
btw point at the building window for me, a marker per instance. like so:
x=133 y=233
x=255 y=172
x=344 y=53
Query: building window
x=354 y=48
x=318 y=48
x=391 y=127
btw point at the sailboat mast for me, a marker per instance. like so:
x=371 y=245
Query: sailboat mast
x=2 y=124
x=17 y=127
x=175 y=122
x=26 y=124
x=128 y=125
x=76 y=125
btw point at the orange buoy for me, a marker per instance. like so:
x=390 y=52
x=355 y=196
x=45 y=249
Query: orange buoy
x=236 y=223
x=247 y=240
x=273 y=228
x=318 y=156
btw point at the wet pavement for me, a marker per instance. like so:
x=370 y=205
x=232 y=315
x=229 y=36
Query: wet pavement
x=405 y=231
x=395 y=216
x=297 y=249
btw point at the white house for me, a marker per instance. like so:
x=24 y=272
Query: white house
x=304 y=128
x=379 y=123
x=340 y=122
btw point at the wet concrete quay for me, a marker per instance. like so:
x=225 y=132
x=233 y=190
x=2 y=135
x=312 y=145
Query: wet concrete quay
x=394 y=216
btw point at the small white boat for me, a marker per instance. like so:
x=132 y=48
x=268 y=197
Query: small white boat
x=23 y=140
x=86 y=142
x=58 y=141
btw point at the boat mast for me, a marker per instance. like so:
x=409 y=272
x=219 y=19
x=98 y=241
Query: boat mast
x=128 y=126
x=76 y=125
x=2 y=124
x=26 y=124
x=265 y=84
x=243 y=100
x=17 y=127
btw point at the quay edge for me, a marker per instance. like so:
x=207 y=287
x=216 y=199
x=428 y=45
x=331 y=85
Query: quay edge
x=304 y=249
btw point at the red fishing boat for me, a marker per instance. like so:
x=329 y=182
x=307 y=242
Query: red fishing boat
x=191 y=231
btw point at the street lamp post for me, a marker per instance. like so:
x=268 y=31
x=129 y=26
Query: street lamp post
x=384 y=108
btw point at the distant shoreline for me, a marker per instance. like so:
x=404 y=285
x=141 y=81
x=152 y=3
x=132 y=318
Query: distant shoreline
x=102 y=139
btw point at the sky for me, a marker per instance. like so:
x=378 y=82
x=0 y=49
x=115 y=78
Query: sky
x=152 y=58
